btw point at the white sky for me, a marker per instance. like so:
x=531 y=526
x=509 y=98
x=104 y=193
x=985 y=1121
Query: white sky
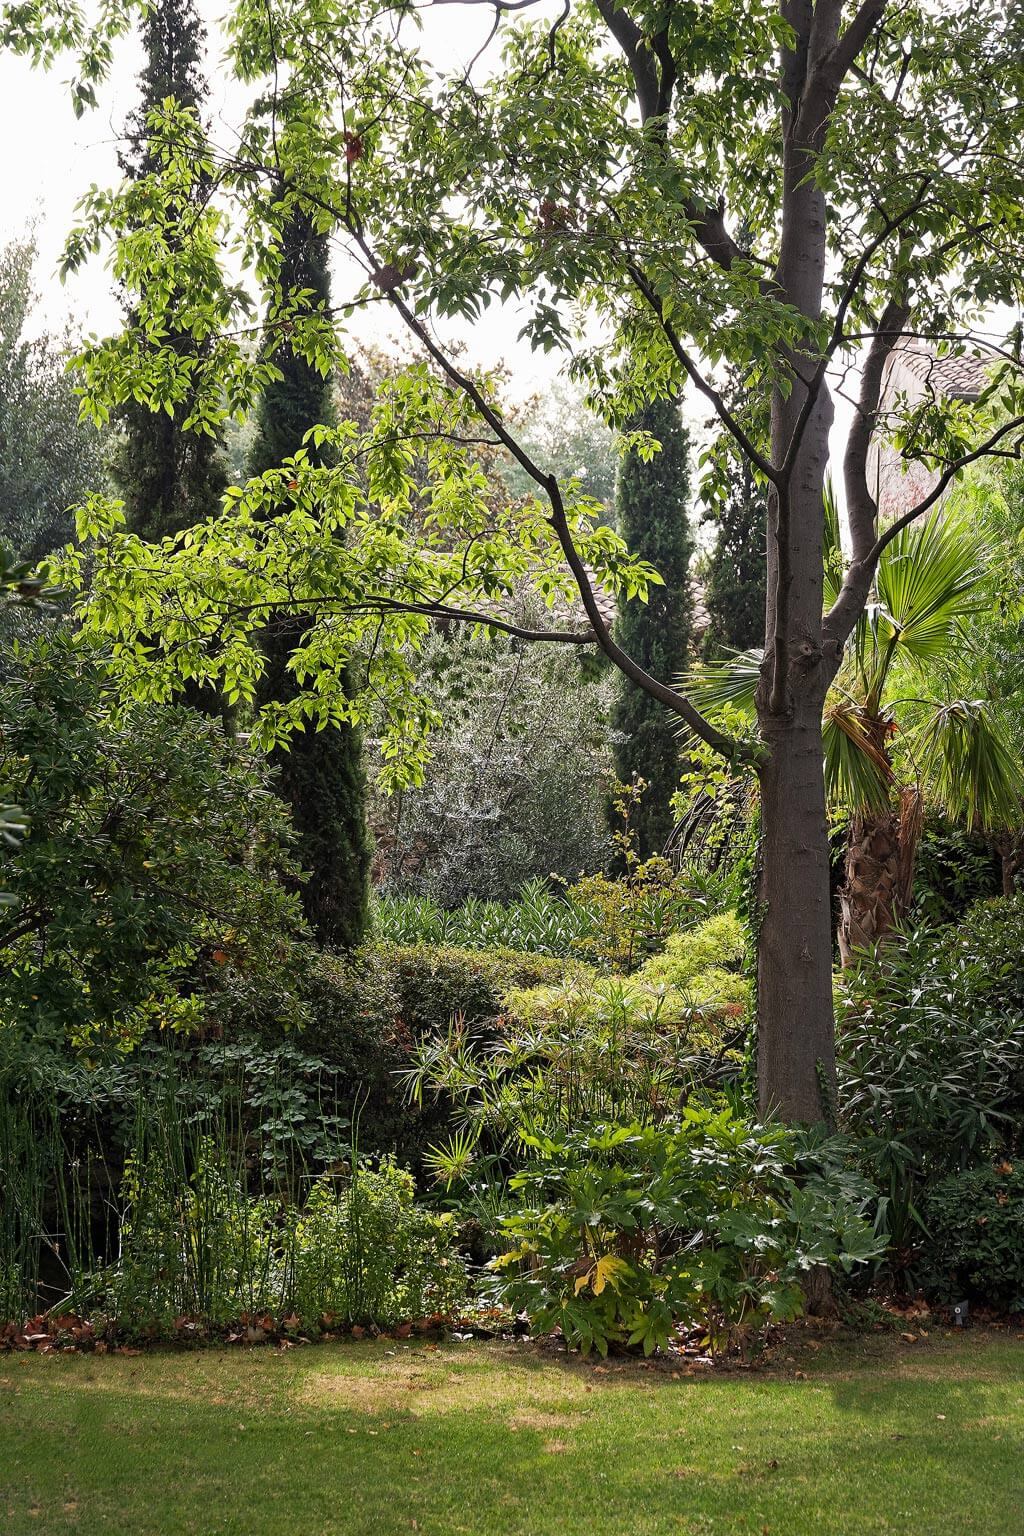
x=64 y=156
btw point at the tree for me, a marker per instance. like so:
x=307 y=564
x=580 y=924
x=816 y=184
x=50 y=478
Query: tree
x=168 y=478
x=651 y=501
x=517 y=785
x=734 y=590
x=903 y=727
x=49 y=461
x=596 y=171
x=321 y=775
x=558 y=428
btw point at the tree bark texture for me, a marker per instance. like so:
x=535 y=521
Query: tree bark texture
x=881 y=854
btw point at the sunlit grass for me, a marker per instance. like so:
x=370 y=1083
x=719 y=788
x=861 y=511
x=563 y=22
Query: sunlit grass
x=858 y=1437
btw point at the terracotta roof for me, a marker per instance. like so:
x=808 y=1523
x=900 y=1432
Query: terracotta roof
x=958 y=378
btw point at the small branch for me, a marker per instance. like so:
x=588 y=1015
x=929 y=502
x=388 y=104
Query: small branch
x=697 y=378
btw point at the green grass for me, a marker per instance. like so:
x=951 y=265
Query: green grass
x=872 y=1435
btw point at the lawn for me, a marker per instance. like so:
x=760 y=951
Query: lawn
x=854 y=1437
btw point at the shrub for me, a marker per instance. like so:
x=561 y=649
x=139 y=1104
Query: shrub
x=953 y=871
x=629 y=1233
x=435 y=985
x=149 y=890
x=203 y=1247
x=370 y=1254
x=693 y=989
x=931 y=1060
x=975 y=1224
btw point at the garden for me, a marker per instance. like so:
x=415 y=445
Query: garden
x=512 y=841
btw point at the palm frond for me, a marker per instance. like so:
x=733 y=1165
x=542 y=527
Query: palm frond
x=730 y=682
x=832 y=548
x=968 y=766
x=930 y=580
x=858 y=773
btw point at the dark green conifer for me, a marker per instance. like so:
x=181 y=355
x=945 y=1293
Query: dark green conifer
x=321 y=774
x=652 y=518
x=168 y=478
x=735 y=592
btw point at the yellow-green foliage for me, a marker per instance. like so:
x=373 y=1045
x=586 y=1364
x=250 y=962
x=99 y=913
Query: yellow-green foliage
x=694 y=982
x=703 y=964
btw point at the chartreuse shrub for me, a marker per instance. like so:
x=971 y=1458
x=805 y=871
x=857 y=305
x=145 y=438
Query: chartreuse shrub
x=629 y=1233
x=694 y=987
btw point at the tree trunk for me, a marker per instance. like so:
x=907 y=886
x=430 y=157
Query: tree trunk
x=796 y=1034
x=881 y=853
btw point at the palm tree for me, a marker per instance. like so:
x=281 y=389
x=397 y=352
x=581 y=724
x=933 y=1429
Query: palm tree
x=898 y=732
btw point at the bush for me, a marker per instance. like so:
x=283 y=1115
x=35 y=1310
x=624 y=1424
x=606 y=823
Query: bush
x=148 y=892
x=693 y=990
x=931 y=1060
x=435 y=985
x=629 y=1234
x=953 y=871
x=370 y=1254
x=219 y=1201
x=357 y=1250
x=975 y=1223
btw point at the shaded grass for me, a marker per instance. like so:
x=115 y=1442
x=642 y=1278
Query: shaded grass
x=501 y=1440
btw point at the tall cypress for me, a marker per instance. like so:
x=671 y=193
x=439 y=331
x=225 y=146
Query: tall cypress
x=321 y=773
x=735 y=592
x=651 y=502
x=168 y=478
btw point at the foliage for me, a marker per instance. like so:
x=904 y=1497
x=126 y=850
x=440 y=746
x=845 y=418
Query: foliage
x=931 y=1062
x=607 y=922
x=954 y=870
x=49 y=461
x=634 y=914
x=321 y=775
x=540 y=921
x=148 y=891
x=975 y=1224
x=560 y=431
x=211 y=1184
x=167 y=477
x=593 y=181
x=373 y=1255
x=652 y=516
x=629 y=1233
x=694 y=989
x=438 y=983
x=520 y=769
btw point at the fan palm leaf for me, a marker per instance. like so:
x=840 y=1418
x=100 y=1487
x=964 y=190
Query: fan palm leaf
x=968 y=765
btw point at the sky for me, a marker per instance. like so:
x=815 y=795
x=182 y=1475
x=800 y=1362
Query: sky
x=64 y=156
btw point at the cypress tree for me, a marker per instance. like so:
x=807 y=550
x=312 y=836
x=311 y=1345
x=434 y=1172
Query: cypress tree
x=321 y=773
x=168 y=479
x=651 y=503
x=735 y=591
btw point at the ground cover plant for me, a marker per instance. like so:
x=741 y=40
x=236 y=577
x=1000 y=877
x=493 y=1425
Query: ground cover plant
x=853 y=1438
